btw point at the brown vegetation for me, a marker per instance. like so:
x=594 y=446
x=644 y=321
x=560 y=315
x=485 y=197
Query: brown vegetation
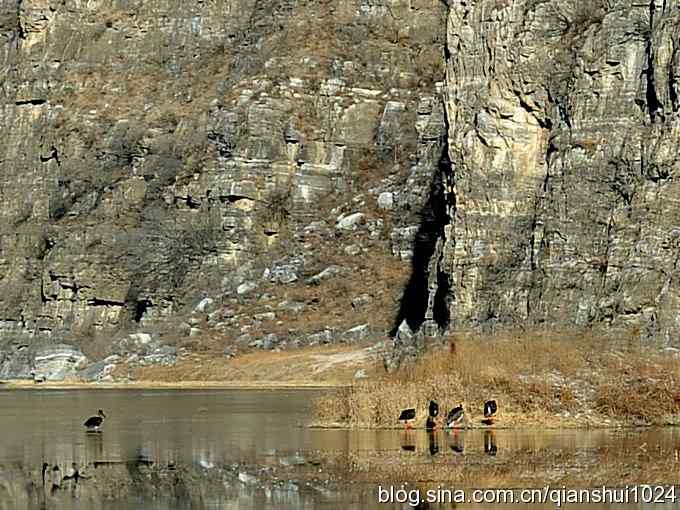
x=540 y=378
x=313 y=366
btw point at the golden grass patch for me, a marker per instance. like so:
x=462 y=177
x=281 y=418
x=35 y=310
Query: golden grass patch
x=538 y=378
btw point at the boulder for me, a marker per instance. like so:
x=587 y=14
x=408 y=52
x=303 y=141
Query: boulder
x=266 y=342
x=246 y=288
x=386 y=200
x=140 y=343
x=203 y=305
x=326 y=274
x=100 y=370
x=291 y=306
x=322 y=337
x=404 y=331
x=361 y=301
x=15 y=363
x=351 y=222
x=164 y=355
x=286 y=270
x=265 y=316
x=245 y=338
x=357 y=333
x=352 y=250
x=59 y=362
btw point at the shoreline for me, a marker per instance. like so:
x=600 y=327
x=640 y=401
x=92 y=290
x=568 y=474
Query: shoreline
x=183 y=385
x=547 y=425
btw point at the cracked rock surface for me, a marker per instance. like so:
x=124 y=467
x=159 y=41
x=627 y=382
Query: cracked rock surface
x=462 y=164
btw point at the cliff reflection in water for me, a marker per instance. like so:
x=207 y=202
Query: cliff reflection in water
x=93 y=475
x=250 y=450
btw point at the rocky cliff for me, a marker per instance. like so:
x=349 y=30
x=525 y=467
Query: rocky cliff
x=562 y=202
x=230 y=174
x=235 y=174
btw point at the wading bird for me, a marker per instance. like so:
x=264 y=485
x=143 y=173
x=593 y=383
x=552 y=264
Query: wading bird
x=455 y=415
x=406 y=416
x=94 y=422
x=490 y=409
x=430 y=424
x=433 y=412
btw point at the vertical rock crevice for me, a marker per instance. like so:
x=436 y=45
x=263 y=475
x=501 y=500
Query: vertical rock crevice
x=422 y=300
x=654 y=105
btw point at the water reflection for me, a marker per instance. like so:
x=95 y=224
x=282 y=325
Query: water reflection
x=457 y=444
x=490 y=447
x=219 y=450
x=433 y=443
x=408 y=441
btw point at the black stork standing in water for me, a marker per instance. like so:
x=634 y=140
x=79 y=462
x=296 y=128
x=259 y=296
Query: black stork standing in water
x=490 y=409
x=406 y=416
x=94 y=422
x=455 y=415
x=430 y=424
x=433 y=412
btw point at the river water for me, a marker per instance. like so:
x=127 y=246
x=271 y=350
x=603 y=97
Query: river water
x=229 y=449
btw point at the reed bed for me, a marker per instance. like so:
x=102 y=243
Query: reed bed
x=553 y=379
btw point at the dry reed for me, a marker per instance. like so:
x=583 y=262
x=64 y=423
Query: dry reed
x=538 y=378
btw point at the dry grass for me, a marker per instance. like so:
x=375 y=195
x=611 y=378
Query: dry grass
x=323 y=366
x=549 y=379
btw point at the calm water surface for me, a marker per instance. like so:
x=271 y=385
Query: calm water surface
x=213 y=448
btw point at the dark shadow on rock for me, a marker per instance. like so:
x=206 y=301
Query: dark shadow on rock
x=433 y=219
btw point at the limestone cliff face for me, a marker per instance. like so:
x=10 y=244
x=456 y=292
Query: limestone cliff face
x=157 y=153
x=267 y=174
x=563 y=139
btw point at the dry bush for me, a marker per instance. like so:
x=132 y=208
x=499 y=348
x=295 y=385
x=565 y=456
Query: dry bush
x=643 y=387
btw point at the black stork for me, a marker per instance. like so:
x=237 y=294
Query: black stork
x=407 y=415
x=455 y=415
x=94 y=422
x=430 y=424
x=490 y=409
x=433 y=412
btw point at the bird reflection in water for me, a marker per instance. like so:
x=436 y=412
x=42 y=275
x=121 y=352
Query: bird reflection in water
x=45 y=466
x=56 y=480
x=457 y=443
x=95 y=446
x=490 y=447
x=408 y=443
x=432 y=440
